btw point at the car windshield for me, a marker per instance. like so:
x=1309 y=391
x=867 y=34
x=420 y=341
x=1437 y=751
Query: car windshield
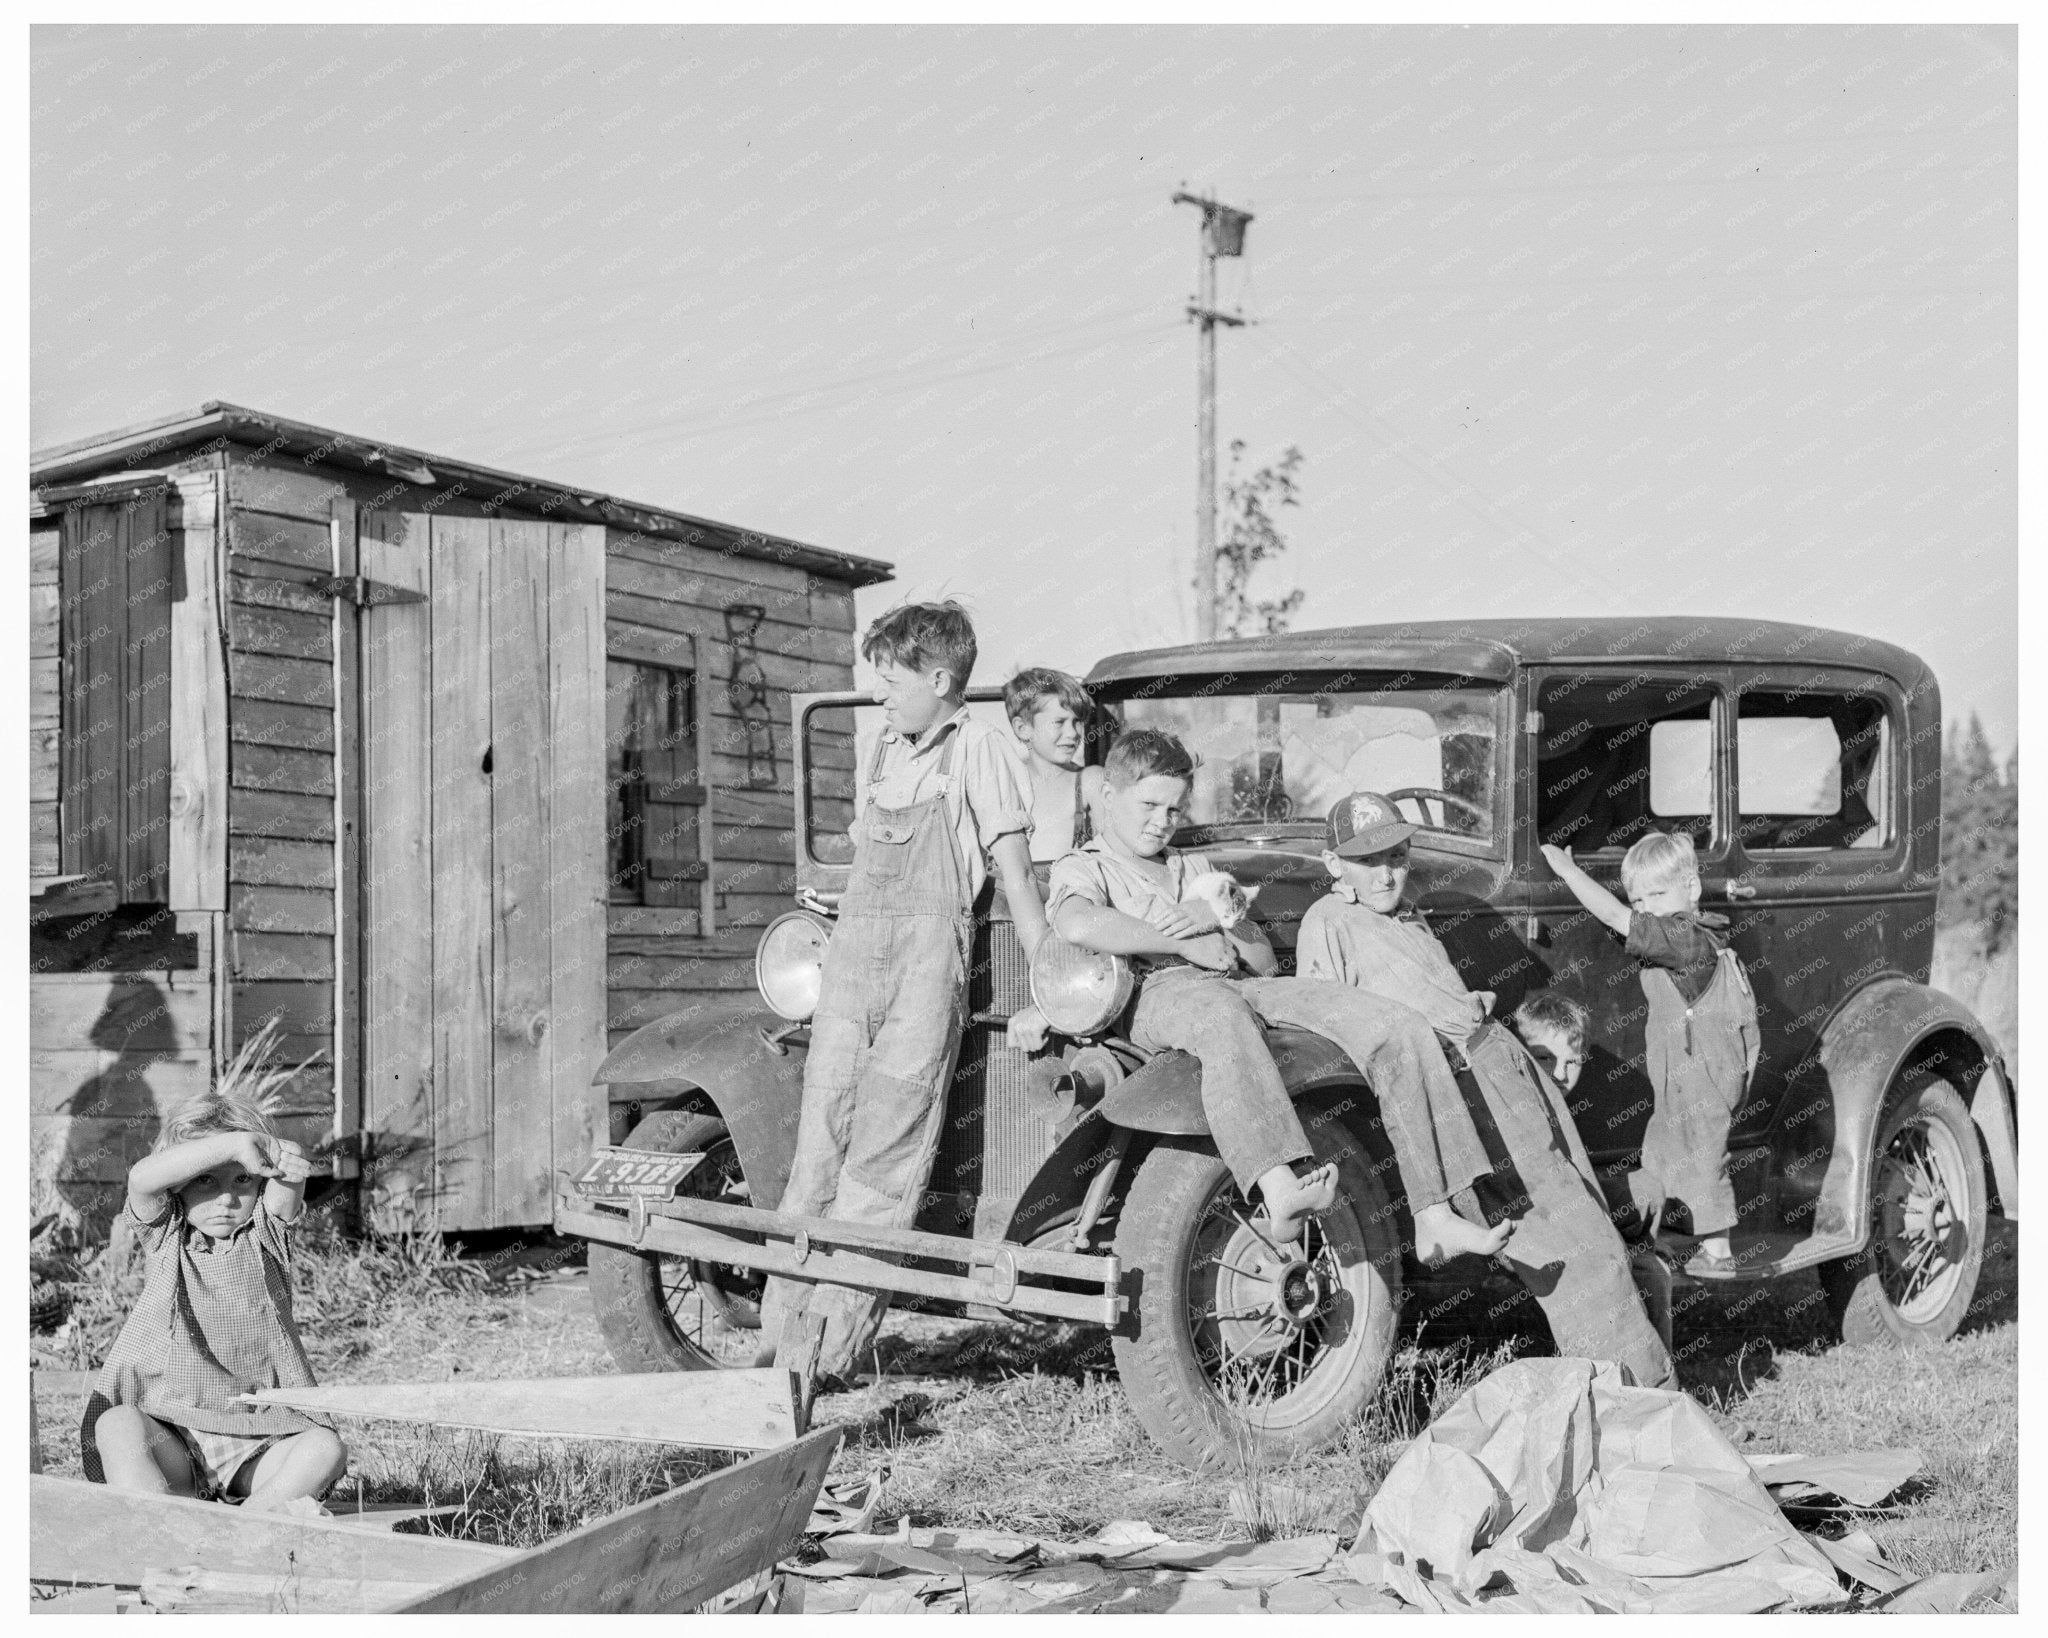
x=1279 y=756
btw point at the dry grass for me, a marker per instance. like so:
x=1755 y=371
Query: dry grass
x=1025 y=1428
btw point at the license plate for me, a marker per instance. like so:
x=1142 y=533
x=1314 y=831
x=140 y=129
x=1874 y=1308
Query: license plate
x=634 y=1174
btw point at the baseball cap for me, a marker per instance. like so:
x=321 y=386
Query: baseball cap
x=1366 y=822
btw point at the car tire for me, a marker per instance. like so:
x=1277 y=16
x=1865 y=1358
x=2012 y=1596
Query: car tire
x=1913 y=1283
x=666 y=1313
x=1199 y=1371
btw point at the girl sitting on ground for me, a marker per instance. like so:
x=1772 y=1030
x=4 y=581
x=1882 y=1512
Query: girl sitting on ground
x=210 y=1206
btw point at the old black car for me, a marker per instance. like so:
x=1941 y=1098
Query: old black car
x=1082 y=1186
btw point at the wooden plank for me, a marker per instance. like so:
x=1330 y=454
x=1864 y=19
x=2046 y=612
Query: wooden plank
x=193 y=1590
x=90 y=1082
x=294 y=634
x=345 y=768
x=267 y=677
x=461 y=860
x=44 y=690
x=296 y=593
x=287 y=491
x=95 y=587
x=295 y=542
x=697 y=574
x=281 y=909
x=42 y=839
x=278 y=722
x=282 y=814
x=43 y=763
x=269 y=768
x=712 y=1410
x=87 y=1149
x=146 y=853
x=198 y=800
x=121 y=1012
x=272 y=862
x=398 y=881
x=654 y=647
x=522 y=780
x=667 y=1554
x=92 y=1533
x=45 y=542
x=262 y=956
x=576 y=844
x=44 y=601
x=628 y=921
x=299 y=1008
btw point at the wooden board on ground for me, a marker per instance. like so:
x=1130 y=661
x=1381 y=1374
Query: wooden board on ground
x=712 y=1410
x=81 y=1532
x=194 y=1590
x=667 y=1554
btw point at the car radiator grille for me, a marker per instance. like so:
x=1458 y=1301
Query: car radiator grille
x=993 y=1142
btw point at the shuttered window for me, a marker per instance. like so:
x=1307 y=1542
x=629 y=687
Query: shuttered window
x=114 y=577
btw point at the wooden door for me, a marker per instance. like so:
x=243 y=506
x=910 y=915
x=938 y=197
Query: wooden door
x=482 y=874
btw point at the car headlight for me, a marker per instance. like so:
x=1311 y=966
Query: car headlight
x=1081 y=992
x=789 y=964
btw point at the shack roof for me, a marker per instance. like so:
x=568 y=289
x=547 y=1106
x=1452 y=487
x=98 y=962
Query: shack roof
x=115 y=454
x=1492 y=649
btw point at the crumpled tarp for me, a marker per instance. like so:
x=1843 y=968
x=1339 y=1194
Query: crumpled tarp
x=1555 y=1485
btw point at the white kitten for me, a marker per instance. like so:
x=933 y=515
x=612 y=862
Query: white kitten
x=1224 y=894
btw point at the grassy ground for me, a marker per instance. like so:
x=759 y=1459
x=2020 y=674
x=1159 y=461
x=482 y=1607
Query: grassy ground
x=1023 y=1428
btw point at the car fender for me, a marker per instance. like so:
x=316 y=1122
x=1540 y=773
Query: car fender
x=718 y=1047
x=1164 y=1096
x=1826 y=1144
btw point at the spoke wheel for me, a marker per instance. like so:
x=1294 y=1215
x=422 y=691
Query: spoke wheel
x=665 y=1313
x=1914 y=1282
x=1240 y=1343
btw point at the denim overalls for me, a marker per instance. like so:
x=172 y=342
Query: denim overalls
x=1699 y=1059
x=890 y=1013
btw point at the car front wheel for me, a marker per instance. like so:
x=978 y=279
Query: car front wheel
x=1913 y=1283
x=1242 y=1348
x=665 y=1313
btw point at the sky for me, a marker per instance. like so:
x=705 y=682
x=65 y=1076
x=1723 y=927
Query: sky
x=1563 y=320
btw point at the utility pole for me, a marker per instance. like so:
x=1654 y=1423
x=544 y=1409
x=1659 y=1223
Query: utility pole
x=1222 y=235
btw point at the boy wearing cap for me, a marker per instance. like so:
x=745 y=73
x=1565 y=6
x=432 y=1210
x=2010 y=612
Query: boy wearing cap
x=1565 y=1250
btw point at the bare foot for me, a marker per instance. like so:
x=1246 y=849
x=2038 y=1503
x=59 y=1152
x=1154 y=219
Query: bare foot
x=1716 y=1249
x=1291 y=1201
x=1441 y=1234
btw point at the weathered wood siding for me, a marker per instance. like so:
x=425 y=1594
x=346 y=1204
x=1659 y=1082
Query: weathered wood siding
x=44 y=713
x=760 y=632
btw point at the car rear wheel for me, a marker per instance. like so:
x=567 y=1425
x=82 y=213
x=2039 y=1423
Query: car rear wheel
x=1244 y=1350
x=1913 y=1283
x=665 y=1313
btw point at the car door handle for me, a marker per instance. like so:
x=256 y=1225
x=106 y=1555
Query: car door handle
x=1741 y=890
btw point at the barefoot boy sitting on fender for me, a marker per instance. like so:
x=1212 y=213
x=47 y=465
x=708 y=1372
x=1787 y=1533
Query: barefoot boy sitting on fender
x=1565 y=1250
x=1129 y=893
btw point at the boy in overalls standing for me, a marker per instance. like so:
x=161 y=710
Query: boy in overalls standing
x=944 y=800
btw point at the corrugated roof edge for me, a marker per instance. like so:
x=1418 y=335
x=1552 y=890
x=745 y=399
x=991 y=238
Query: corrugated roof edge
x=87 y=457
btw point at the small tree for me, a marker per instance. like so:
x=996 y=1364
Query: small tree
x=1980 y=842
x=1251 y=537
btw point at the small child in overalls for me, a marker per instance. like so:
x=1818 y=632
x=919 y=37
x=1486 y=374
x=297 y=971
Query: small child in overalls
x=944 y=800
x=1565 y=1250
x=1049 y=713
x=1700 y=1037
x=211 y=1205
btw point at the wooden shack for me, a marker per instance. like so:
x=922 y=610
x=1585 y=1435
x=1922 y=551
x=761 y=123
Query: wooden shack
x=458 y=775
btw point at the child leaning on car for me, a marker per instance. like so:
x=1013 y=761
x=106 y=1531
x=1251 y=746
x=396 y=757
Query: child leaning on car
x=1565 y=1249
x=944 y=806
x=1699 y=1037
x=1206 y=991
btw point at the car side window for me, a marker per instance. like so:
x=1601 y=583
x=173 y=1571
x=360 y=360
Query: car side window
x=1813 y=769
x=1620 y=754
